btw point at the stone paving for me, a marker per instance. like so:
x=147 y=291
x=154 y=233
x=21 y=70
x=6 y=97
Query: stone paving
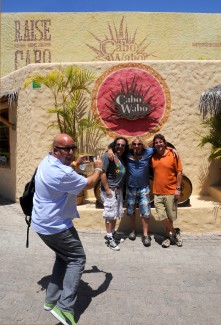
x=135 y=286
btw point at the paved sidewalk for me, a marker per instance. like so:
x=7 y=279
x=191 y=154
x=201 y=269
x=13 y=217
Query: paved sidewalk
x=136 y=286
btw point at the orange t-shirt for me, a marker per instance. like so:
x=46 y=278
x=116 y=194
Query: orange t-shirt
x=165 y=170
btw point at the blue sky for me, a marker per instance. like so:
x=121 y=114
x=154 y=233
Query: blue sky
x=200 y=6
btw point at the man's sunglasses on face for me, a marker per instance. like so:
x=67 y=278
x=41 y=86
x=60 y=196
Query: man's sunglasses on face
x=67 y=149
x=120 y=145
x=137 y=144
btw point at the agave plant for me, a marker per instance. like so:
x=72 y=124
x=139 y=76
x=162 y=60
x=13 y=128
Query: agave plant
x=70 y=88
x=210 y=108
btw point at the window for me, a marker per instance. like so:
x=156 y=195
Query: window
x=4 y=140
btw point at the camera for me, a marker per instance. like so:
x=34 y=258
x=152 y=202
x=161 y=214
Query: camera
x=91 y=158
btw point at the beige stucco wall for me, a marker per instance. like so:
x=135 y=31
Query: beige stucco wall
x=186 y=81
x=107 y=36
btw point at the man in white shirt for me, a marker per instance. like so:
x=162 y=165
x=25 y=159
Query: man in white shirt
x=54 y=207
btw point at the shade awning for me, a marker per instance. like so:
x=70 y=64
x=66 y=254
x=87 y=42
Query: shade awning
x=9 y=97
x=210 y=101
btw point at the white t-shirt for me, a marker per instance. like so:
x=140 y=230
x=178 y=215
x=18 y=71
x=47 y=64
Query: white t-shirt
x=54 y=203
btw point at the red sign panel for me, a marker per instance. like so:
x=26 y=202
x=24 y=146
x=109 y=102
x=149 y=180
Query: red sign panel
x=131 y=99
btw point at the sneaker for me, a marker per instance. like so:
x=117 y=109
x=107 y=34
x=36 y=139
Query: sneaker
x=48 y=306
x=146 y=241
x=178 y=238
x=132 y=235
x=112 y=244
x=117 y=237
x=64 y=317
x=166 y=243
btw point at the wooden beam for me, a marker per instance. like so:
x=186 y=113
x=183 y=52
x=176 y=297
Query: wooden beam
x=7 y=123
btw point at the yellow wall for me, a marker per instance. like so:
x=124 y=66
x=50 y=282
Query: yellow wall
x=83 y=37
x=186 y=80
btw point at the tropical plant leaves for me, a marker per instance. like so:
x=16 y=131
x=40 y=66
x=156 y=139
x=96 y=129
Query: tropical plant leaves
x=213 y=124
x=70 y=88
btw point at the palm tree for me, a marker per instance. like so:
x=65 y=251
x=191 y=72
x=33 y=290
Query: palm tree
x=70 y=87
x=210 y=105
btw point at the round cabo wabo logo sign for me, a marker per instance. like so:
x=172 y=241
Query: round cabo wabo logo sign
x=131 y=99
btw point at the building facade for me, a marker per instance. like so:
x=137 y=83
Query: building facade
x=150 y=68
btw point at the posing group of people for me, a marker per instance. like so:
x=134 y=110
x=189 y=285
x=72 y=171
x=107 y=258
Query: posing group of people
x=125 y=166
x=54 y=205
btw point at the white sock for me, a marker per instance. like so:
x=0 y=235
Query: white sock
x=109 y=234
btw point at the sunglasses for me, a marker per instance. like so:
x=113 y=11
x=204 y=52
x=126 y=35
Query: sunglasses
x=120 y=145
x=137 y=144
x=67 y=149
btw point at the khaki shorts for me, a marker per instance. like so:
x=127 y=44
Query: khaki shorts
x=166 y=207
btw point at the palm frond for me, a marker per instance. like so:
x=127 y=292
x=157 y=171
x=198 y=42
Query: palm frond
x=70 y=86
x=216 y=154
x=213 y=137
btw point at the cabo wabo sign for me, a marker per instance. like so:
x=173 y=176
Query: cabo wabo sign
x=131 y=99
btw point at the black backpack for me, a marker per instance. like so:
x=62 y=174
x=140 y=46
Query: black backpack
x=26 y=202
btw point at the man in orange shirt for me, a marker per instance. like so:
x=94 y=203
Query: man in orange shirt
x=166 y=188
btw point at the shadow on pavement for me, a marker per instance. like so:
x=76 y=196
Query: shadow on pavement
x=159 y=238
x=85 y=292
